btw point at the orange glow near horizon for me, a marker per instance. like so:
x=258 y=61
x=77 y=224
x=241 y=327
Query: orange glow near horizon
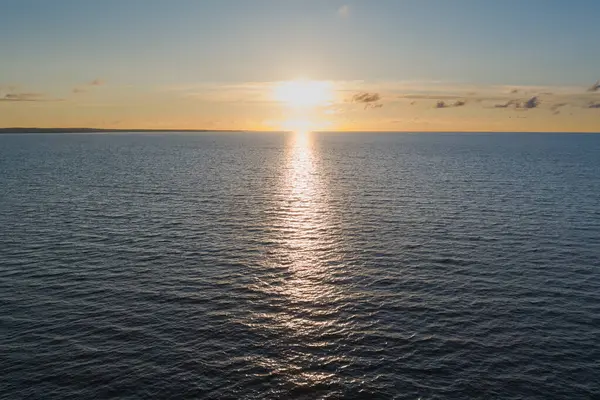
x=304 y=125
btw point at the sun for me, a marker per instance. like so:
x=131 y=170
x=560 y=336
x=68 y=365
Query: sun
x=302 y=93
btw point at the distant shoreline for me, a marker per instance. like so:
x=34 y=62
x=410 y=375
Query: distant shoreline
x=100 y=130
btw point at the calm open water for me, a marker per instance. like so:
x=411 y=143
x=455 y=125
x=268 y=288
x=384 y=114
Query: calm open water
x=282 y=266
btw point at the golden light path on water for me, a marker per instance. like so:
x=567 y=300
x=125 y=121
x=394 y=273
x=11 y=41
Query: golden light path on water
x=309 y=239
x=303 y=271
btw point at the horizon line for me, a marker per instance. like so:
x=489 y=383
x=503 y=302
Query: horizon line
x=8 y=130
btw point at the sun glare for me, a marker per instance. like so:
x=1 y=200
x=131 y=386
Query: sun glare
x=304 y=125
x=298 y=125
x=303 y=93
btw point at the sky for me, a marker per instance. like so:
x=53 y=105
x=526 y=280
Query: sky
x=393 y=65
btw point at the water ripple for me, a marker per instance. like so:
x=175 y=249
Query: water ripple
x=300 y=266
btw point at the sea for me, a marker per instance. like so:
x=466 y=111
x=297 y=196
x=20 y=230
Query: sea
x=300 y=266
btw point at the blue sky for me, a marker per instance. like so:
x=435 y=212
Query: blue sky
x=512 y=42
x=49 y=45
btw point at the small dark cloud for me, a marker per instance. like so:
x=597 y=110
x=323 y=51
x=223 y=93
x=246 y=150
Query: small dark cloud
x=366 y=97
x=370 y=100
x=523 y=105
x=514 y=91
x=594 y=105
x=532 y=102
x=79 y=90
x=443 y=104
x=97 y=82
x=595 y=87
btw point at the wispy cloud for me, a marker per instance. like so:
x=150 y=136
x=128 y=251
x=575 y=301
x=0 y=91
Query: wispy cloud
x=555 y=107
x=431 y=96
x=334 y=111
x=8 y=88
x=595 y=87
x=371 y=95
x=494 y=96
x=344 y=11
x=85 y=87
x=506 y=105
x=23 y=97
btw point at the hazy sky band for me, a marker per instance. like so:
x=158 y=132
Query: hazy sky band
x=115 y=63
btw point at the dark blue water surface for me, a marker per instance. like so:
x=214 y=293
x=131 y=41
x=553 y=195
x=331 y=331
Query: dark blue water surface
x=282 y=266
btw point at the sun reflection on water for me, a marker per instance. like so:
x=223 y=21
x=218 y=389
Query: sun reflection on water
x=308 y=240
x=302 y=283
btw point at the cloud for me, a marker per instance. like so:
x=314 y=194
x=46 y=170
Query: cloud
x=344 y=11
x=366 y=97
x=438 y=96
x=553 y=100
x=416 y=94
x=507 y=104
x=85 y=87
x=9 y=88
x=555 y=108
x=443 y=104
x=23 y=97
x=427 y=97
x=533 y=102
x=370 y=100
